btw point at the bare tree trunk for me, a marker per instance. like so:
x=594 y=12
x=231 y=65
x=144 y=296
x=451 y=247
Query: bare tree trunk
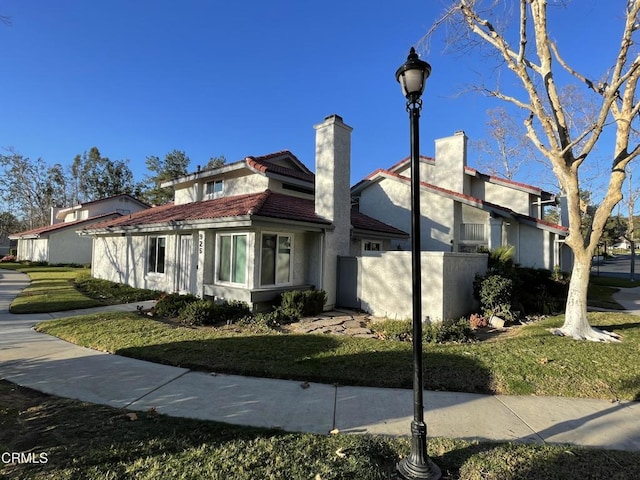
x=576 y=325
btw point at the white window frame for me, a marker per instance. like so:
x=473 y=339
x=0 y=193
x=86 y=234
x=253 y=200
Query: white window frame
x=215 y=193
x=369 y=251
x=155 y=271
x=217 y=258
x=278 y=235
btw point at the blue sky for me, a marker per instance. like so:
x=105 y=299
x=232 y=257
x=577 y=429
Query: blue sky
x=237 y=78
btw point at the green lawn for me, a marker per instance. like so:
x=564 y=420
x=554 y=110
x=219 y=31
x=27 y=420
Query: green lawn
x=52 y=289
x=60 y=288
x=530 y=362
x=83 y=441
x=601 y=290
x=90 y=442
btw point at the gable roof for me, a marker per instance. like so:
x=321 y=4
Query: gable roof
x=269 y=165
x=365 y=223
x=395 y=168
x=65 y=210
x=493 y=208
x=48 y=229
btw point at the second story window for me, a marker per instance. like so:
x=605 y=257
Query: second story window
x=214 y=188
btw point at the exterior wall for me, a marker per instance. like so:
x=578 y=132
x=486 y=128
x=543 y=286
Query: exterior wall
x=33 y=249
x=234 y=184
x=123 y=259
x=389 y=201
x=535 y=248
x=516 y=200
x=447 y=284
x=120 y=204
x=66 y=246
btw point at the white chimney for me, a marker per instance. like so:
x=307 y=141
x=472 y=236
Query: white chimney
x=333 y=195
x=451 y=158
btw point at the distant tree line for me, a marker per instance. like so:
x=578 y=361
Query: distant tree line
x=30 y=188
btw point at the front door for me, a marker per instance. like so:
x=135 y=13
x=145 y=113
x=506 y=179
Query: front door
x=185 y=262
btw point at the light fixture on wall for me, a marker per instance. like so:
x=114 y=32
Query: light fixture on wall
x=412 y=76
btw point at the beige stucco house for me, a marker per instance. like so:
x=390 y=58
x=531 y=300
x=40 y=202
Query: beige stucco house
x=247 y=230
x=58 y=242
x=463 y=209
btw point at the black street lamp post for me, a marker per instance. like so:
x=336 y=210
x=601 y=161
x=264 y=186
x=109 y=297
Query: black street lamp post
x=412 y=76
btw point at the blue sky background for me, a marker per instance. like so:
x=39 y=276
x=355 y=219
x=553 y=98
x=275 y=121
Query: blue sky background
x=238 y=78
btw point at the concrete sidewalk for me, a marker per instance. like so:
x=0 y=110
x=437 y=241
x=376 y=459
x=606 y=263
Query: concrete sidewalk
x=54 y=366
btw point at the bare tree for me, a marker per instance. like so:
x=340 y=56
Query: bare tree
x=505 y=152
x=550 y=122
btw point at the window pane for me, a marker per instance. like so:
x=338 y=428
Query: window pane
x=224 y=255
x=160 y=257
x=283 y=261
x=268 y=260
x=240 y=258
x=151 y=265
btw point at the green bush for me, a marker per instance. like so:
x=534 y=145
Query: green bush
x=170 y=305
x=198 y=312
x=447 y=332
x=112 y=292
x=495 y=295
x=303 y=303
x=230 y=311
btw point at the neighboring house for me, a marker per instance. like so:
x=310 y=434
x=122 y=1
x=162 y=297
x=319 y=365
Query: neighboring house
x=59 y=243
x=463 y=209
x=248 y=230
x=5 y=245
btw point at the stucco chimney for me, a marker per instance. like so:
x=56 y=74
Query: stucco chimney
x=333 y=195
x=451 y=158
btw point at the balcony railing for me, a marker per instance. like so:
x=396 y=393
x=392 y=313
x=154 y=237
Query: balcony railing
x=472 y=232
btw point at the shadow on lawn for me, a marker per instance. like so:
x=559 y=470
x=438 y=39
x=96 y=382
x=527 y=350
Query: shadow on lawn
x=323 y=359
x=536 y=462
x=618 y=326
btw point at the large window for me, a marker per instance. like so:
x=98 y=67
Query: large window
x=275 y=259
x=214 y=189
x=232 y=258
x=157 y=248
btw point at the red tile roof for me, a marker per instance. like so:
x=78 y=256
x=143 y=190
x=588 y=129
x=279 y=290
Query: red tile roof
x=264 y=164
x=263 y=204
x=360 y=221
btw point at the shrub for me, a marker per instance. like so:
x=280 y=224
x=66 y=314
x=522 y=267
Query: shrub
x=111 y=292
x=303 y=303
x=495 y=294
x=459 y=331
x=170 y=305
x=230 y=311
x=198 y=312
x=9 y=258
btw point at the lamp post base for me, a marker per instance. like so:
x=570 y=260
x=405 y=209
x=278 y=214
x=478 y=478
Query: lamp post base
x=418 y=465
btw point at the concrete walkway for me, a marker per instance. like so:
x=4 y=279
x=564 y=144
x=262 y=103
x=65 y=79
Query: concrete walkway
x=54 y=366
